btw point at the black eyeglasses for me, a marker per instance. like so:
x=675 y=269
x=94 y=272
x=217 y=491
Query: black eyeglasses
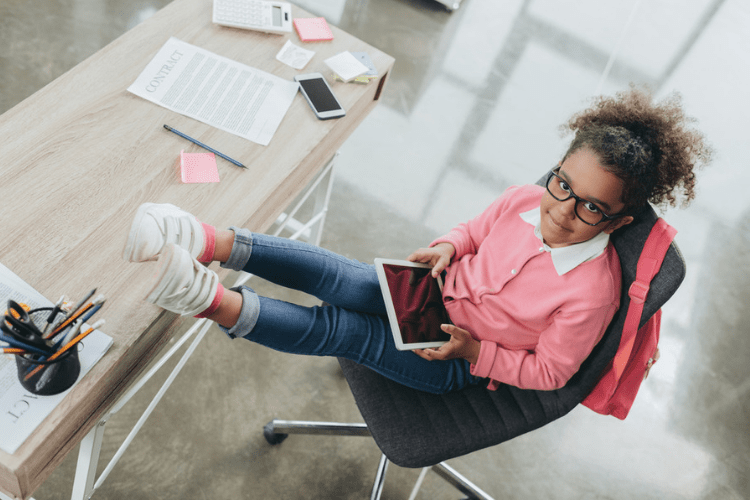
x=585 y=210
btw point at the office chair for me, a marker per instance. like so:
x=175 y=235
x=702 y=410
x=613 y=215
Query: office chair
x=404 y=421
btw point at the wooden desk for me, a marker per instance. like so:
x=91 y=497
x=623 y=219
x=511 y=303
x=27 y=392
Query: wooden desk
x=80 y=155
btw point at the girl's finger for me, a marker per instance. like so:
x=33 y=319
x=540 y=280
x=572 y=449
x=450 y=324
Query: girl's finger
x=448 y=328
x=440 y=266
x=414 y=257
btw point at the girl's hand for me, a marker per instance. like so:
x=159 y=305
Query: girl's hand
x=438 y=257
x=462 y=345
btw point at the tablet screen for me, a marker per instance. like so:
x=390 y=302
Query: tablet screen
x=418 y=303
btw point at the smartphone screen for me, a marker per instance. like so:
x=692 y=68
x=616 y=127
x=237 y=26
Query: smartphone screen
x=319 y=94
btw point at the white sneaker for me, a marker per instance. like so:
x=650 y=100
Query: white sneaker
x=156 y=225
x=183 y=285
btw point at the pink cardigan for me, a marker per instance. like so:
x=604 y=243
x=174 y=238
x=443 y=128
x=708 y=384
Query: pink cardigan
x=535 y=326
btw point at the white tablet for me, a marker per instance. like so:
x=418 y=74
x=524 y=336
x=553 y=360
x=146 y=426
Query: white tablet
x=414 y=302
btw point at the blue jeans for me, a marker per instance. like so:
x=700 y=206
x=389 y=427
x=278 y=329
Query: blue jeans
x=353 y=326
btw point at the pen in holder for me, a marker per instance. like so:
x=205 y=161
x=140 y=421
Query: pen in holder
x=51 y=376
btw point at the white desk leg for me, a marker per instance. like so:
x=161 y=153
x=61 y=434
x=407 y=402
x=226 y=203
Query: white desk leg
x=88 y=456
x=322 y=197
x=88 y=459
x=322 y=186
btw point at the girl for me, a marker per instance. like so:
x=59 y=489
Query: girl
x=530 y=284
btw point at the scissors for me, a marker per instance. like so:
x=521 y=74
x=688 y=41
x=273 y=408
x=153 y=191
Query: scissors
x=18 y=324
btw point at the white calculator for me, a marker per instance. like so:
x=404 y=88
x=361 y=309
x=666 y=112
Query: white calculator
x=259 y=15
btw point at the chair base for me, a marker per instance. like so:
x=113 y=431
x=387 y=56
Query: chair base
x=459 y=482
x=276 y=431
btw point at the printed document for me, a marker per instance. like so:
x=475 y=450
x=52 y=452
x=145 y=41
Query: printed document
x=21 y=411
x=215 y=90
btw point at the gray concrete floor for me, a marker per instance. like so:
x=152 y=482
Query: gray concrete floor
x=472 y=106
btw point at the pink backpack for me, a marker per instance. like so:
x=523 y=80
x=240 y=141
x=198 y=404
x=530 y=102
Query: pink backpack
x=615 y=392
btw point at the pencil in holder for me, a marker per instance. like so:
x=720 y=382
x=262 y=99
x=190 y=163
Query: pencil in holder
x=55 y=376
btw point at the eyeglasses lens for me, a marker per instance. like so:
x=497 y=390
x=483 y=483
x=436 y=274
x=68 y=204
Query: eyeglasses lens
x=585 y=210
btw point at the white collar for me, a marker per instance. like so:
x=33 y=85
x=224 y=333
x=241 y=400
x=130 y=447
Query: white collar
x=568 y=257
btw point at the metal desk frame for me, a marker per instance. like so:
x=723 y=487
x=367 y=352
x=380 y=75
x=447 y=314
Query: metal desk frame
x=86 y=483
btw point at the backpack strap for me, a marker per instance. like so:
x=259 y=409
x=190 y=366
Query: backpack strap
x=649 y=263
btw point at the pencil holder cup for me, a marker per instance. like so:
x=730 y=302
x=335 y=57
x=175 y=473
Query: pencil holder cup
x=55 y=376
x=50 y=376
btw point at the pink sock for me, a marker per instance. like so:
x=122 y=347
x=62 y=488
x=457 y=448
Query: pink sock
x=209 y=243
x=214 y=305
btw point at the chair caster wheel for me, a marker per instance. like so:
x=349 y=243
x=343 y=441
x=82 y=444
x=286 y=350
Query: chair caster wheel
x=272 y=437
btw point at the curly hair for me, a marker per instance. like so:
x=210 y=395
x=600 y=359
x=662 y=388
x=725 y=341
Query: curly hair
x=647 y=145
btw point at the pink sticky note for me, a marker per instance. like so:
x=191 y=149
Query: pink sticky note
x=313 y=29
x=198 y=167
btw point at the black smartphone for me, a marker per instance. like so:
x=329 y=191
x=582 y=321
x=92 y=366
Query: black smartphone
x=319 y=95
